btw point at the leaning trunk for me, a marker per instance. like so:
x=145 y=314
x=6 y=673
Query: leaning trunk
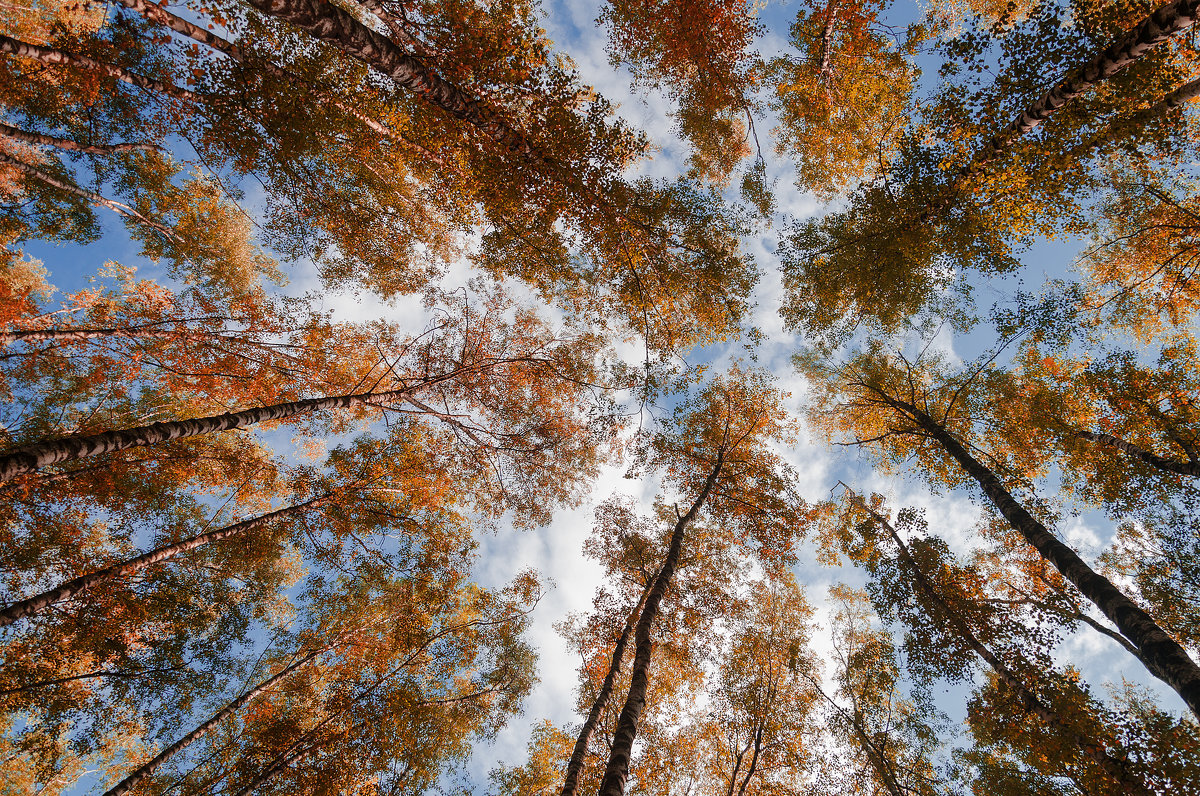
x=40 y=602
x=29 y=458
x=617 y=771
x=327 y=22
x=1113 y=767
x=53 y=57
x=41 y=139
x=1161 y=654
x=575 y=765
x=91 y=196
x=1153 y=459
x=130 y=782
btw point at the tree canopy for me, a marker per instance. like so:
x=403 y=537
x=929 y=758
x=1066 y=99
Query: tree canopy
x=328 y=327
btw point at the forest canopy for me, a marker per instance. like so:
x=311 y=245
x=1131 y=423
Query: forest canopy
x=701 y=397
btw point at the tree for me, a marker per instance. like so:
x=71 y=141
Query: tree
x=758 y=729
x=947 y=620
x=843 y=96
x=714 y=449
x=395 y=678
x=887 y=739
x=699 y=51
x=891 y=402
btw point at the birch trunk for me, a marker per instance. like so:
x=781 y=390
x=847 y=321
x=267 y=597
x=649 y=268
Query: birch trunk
x=130 y=782
x=65 y=591
x=1164 y=23
x=53 y=57
x=1153 y=459
x=575 y=764
x=1112 y=766
x=41 y=139
x=327 y=22
x=1161 y=654
x=91 y=196
x=617 y=771
x=826 y=63
x=29 y=458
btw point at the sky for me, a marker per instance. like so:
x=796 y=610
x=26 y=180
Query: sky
x=555 y=550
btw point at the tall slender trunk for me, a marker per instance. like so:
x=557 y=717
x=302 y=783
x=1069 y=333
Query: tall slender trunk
x=758 y=737
x=1191 y=468
x=169 y=329
x=1164 y=23
x=1114 y=767
x=149 y=330
x=53 y=57
x=826 y=62
x=327 y=22
x=1161 y=654
x=130 y=782
x=41 y=139
x=91 y=196
x=159 y=15
x=28 y=458
x=1158 y=27
x=65 y=591
x=575 y=764
x=617 y=771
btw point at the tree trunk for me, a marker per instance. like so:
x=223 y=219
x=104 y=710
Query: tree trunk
x=758 y=733
x=1158 y=27
x=575 y=765
x=1161 y=654
x=1154 y=29
x=153 y=331
x=132 y=781
x=91 y=196
x=328 y=23
x=826 y=63
x=40 y=139
x=1161 y=462
x=53 y=57
x=28 y=458
x=40 y=602
x=617 y=771
x=161 y=16
x=1114 y=767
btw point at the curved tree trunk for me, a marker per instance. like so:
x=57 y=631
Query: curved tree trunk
x=1114 y=767
x=1162 y=655
x=617 y=771
x=40 y=602
x=1153 y=459
x=29 y=458
x=575 y=764
x=327 y=22
x=130 y=782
